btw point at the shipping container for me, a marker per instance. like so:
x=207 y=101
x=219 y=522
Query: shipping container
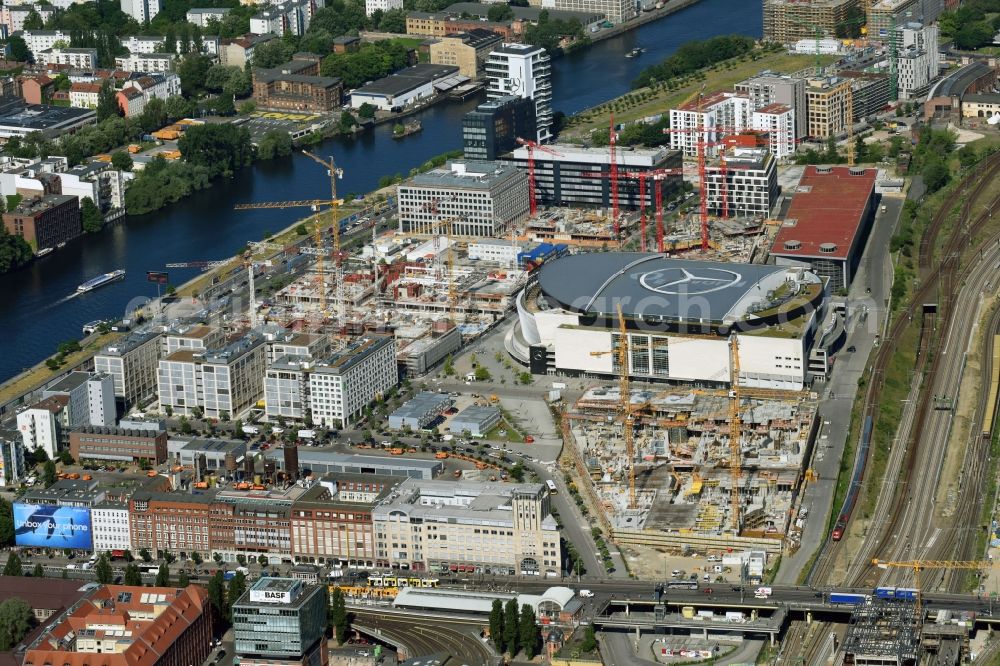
x=842 y=598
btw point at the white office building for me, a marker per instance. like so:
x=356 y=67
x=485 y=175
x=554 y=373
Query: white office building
x=496 y=250
x=523 y=70
x=221 y=382
x=617 y=11
x=341 y=386
x=918 y=60
x=748 y=186
x=490 y=528
x=715 y=116
x=292 y=16
x=109 y=527
x=76 y=58
x=91 y=398
x=286 y=387
x=142 y=11
x=767 y=89
x=779 y=121
x=131 y=362
x=480 y=199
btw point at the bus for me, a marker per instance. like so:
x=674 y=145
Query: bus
x=551 y=485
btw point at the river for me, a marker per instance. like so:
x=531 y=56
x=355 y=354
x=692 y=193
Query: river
x=37 y=305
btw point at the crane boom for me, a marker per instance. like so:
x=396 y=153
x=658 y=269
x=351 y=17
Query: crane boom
x=735 y=430
x=625 y=388
x=301 y=203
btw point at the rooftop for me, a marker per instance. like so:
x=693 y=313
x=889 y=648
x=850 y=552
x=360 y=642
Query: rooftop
x=215 y=446
x=477 y=413
x=129 y=343
x=34 y=205
x=826 y=212
x=632 y=157
x=353 y=354
x=422 y=404
x=71 y=381
x=466 y=175
x=407 y=79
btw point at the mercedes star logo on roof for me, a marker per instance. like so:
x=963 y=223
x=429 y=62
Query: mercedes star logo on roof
x=682 y=281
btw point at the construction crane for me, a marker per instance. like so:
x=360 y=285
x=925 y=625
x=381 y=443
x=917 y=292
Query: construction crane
x=443 y=276
x=333 y=202
x=919 y=565
x=849 y=122
x=202 y=265
x=613 y=166
x=735 y=430
x=532 y=146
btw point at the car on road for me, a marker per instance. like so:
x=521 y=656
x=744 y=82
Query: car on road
x=852 y=349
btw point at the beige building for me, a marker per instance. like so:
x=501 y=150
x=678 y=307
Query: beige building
x=466 y=50
x=826 y=104
x=131 y=362
x=981 y=105
x=490 y=528
x=787 y=21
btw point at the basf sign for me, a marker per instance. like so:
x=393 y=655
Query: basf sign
x=271 y=596
x=49 y=526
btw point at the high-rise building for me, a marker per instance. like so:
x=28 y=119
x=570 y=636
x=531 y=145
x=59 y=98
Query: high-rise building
x=142 y=11
x=493 y=127
x=750 y=179
x=778 y=121
x=767 y=89
x=523 y=70
x=826 y=102
x=787 y=21
x=281 y=622
x=131 y=362
x=12 y=468
x=883 y=14
x=41 y=425
x=91 y=398
x=341 y=386
x=717 y=115
x=290 y=16
x=918 y=60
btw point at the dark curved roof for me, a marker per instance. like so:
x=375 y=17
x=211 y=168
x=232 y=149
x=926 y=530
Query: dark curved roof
x=650 y=286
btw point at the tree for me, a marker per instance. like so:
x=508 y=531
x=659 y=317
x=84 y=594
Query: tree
x=262 y=560
x=589 y=643
x=107 y=100
x=196 y=557
x=144 y=554
x=103 y=570
x=223 y=105
x=19 y=50
x=510 y=627
x=183 y=580
x=192 y=71
x=500 y=12
x=393 y=20
x=973 y=35
x=132 y=576
x=177 y=107
x=496 y=624
x=33 y=21
x=237 y=586
x=16 y=619
x=217 y=596
x=38 y=571
x=91 y=216
x=274 y=143
x=935 y=176
x=163 y=576
x=49 y=473
x=153 y=116
x=482 y=374
x=13 y=566
x=6 y=523
x=222 y=149
x=529 y=633
x=367 y=110
x=121 y=160
x=339 y=619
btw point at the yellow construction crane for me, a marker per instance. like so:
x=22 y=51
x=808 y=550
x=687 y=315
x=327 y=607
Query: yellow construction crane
x=919 y=565
x=849 y=121
x=333 y=202
x=735 y=429
x=446 y=230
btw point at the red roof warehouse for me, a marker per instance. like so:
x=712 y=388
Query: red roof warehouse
x=828 y=222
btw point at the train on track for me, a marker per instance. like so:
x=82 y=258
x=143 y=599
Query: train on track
x=990 y=411
x=852 y=599
x=856 y=478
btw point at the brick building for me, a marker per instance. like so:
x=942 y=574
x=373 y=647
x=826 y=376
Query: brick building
x=296 y=86
x=45 y=221
x=170 y=521
x=106 y=443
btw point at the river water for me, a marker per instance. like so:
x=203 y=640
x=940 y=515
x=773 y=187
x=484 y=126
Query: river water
x=37 y=306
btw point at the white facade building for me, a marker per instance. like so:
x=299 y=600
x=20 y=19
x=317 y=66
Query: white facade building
x=84 y=95
x=39 y=427
x=291 y=16
x=91 y=398
x=147 y=63
x=286 y=387
x=142 y=11
x=767 y=89
x=481 y=199
x=492 y=528
x=343 y=385
x=720 y=114
x=110 y=527
x=372 y=6
x=497 y=250
x=131 y=362
x=750 y=179
x=12 y=468
x=40 y=40
x=523 y=70
x=778 y=120
x=617 y=11
x=13 y=16
x=140 y=44
x=201 y=16
x=918 y=58
x=77 y=58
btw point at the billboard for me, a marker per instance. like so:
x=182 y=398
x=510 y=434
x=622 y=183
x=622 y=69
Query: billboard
x=50 y=526
x=159 y=277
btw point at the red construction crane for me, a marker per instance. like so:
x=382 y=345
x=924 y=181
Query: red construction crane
x=532 y=188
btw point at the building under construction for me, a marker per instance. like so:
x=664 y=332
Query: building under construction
x=787 y=21
x=681 y=464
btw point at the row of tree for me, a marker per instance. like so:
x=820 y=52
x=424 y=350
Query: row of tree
x=513 y=632
x=695 y=55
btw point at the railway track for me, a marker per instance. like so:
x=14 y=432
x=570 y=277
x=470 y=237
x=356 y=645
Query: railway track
x=937 y=278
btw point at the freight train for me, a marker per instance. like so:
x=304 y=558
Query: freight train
x=856 y=478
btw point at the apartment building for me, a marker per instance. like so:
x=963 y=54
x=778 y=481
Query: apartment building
x=747 y=186
x=225 y=381
x=76 y=58
x=200 y=16
x=13 y=470
x=45 y=221
x=253 y=526
x=90 y=396
x=826 y=102
x=149 y=63
x=481 y=199
x=13 y=16
x=707 y=120
x=84 y=95
x=466 y=50
x=239 y=51
x=341 y=386
x=918 y=60
x=787 y=21
x=41 y=425
x=296 y=86
x=524 y=71
x=132 y=363
x=779 y=122
x=142 y=11
x=767 y=89
x=40 y=40
x=292 y=16
x=178 y=522
x=372 y=6
x=488 y=528
x=884 y=14
x=109 y=527
x=139 y=44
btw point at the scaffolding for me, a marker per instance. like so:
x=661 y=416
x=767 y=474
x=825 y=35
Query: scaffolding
x=883 y=631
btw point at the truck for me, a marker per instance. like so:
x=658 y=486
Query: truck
x=762 y=592
x=586 y=593
x=735 y=616
x=307 y=434
x=687 y=612
x=844 y=598
x=251 y=430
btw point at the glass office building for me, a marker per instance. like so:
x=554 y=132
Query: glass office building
x=281 y=621
x=492 y=128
